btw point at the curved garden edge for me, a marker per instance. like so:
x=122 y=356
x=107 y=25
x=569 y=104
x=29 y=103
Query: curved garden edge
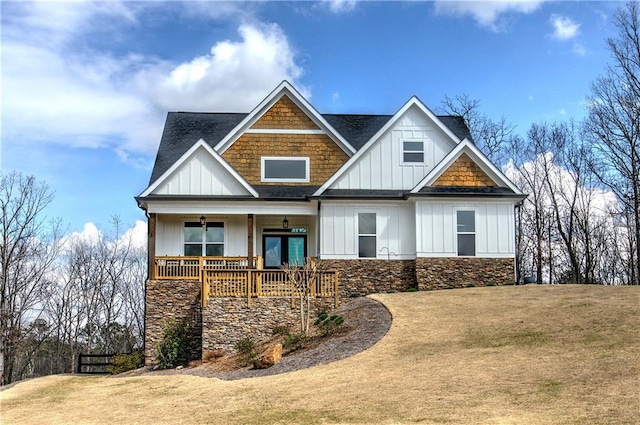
x=367 y=321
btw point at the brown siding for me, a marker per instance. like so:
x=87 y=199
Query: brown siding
x=464 y=172
x=325 y=157
x=285 y=114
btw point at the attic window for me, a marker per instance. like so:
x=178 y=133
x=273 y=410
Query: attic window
x=285 y=169
x=413 y=152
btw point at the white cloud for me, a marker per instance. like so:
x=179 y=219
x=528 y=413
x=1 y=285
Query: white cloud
x=227 y=79
x=564 y=28
x=59 y=89
x=340 y=6
x=487 y=13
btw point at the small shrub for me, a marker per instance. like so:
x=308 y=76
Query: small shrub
x=173 y=350
x=412 y=290
x=491 y=284
x=329 y=325
x=469 y=285
x=294 y=341
x=354 y=295
x=321 y=318
x=125 y=362
x=247 y=350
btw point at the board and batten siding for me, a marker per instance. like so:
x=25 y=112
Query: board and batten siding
x=436 y=233
x=170 y=234
x=382 y=167
x=395 y=230
x=201 y=174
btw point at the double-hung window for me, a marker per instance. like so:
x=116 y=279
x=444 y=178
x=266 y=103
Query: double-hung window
x=284 y=169
x=413 y=152
x=367 y=245
x=204 y=240
x=466 y=229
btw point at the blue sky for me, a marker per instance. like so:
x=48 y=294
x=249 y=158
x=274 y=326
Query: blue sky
x=86 y=85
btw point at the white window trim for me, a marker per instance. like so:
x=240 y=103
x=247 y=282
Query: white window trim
x=358 y=234
x=403 y=151
x=284 y=158
x=203 y=243
x=474 y=233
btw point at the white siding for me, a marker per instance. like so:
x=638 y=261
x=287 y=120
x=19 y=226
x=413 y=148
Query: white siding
x=394 y=227
x=436 y=228
x=201 y=174
x=381 y=166
x=170 y=234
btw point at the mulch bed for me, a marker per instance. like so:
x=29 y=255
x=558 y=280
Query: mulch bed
x=366 y=322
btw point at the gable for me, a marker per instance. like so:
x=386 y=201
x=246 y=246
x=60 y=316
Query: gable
x=201 y=173
x=285 y=114
x=466 y=167
x=464 y=172
x=245 y=155
x=381 y=162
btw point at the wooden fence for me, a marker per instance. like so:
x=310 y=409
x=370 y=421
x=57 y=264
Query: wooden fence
x=94 y=363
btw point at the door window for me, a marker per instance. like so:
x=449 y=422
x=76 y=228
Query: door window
x=280 y=249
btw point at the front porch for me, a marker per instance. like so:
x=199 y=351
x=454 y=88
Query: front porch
x=236 y=277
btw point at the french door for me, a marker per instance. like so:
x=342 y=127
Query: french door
x=280 y=249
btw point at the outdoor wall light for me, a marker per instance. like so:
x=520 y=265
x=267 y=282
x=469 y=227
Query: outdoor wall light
x=203 y=221
x=285 y=223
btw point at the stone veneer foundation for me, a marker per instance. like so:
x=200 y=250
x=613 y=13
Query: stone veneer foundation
x=171 y=300
x=365 y=277
x=225 y=321
x=460 y=272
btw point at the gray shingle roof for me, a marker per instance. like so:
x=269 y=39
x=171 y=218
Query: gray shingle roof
x=183 y=129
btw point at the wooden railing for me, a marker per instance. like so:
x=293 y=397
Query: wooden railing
x=263 y=283
x=191 y=268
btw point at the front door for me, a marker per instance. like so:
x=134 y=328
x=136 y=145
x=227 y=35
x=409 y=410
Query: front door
x=280 y=249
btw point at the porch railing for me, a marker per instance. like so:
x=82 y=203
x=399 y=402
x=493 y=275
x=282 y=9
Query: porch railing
x=250 y=284
x=191 y=268
x=231 y=277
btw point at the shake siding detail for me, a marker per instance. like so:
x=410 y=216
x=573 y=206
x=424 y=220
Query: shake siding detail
x=285 y=114
x=464 y=172
x=325 y=157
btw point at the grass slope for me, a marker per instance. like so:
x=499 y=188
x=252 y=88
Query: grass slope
x=499 y=355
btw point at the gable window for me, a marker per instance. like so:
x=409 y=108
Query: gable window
x=285 y=169
x=466 y=229
x=204 y=240
x=413 y=152
x=367 y=246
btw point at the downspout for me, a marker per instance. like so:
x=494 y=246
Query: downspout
x=518 y=209
x=318 y=230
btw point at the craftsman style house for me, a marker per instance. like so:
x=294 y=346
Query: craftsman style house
x=386 y=202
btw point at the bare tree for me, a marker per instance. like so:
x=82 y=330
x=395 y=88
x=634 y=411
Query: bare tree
x=302 y=277
x=613 y=123
x=28 y=248
x=491 y=137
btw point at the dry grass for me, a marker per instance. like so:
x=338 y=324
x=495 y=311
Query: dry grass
x=500 y=355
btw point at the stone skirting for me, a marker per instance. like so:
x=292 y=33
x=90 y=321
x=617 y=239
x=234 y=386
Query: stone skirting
x=226 y=321
x=373 y=276
x=171 y=300
x=460 y=272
